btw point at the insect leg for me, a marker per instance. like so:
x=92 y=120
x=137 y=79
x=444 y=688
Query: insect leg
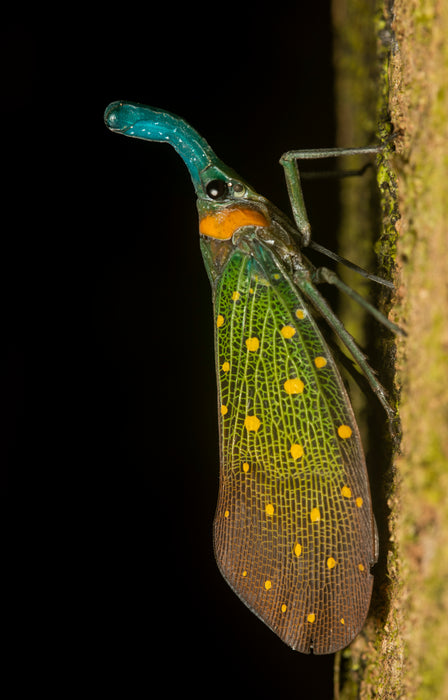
x=323 y=274
x=318 y=301
x=331 y=174
x=352 y=266
x=292 y=176
x=295 y=194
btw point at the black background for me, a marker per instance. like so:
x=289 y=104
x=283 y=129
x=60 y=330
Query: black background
x=110 y=397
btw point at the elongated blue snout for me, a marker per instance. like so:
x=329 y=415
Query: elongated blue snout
x=152 y=124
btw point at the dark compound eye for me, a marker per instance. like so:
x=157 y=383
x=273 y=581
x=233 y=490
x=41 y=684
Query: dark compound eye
x=217 y=189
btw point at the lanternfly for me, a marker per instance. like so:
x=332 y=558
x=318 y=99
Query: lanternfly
x=294 y=532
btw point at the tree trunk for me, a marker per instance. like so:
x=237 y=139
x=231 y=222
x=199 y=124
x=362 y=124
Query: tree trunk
x=392 y=63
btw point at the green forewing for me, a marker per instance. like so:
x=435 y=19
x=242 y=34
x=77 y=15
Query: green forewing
x=294 y=533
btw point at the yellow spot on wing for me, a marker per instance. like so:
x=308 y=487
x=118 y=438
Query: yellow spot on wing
x=346 y=492
x=311 y=617
x=320 y=362
x=331 y=563
x=296 y=451
x=225 y=367
x=342 y=621
x=344 y=431
x=245 y=467
x=252 y=423
x=244 y=573
x=226 y=514
x=269 y=509
x=268 y=584
x=359 y=501
x=293 y=386
x=283 y=608
x=298 y=550
x=361 y=567
x=224 y=410
x=235 y=296
x=252 y=344
x=219 y=321
x=315 y=515
x=300 y=313
x=288 y=331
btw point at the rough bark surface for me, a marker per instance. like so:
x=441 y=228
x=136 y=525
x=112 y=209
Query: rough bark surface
x=403 y=652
